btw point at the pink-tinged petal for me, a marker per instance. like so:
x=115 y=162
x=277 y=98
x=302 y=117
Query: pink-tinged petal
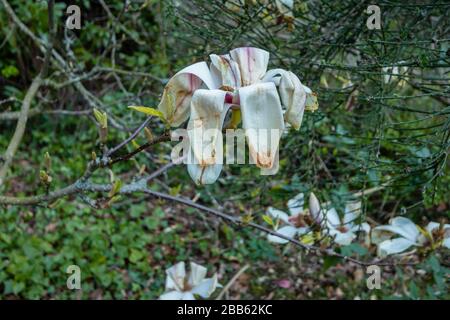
x=262 y=120
x=284 y=283
x=227 y=71
x=252 y=64
x=177 y=95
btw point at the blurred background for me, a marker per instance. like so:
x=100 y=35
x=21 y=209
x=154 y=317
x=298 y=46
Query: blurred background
x=383 y=124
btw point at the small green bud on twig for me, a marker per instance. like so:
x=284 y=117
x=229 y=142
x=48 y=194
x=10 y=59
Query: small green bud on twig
x=148 y=134
x=44 y=177
x=102 y=119
x=47 y=161
x=115 y=189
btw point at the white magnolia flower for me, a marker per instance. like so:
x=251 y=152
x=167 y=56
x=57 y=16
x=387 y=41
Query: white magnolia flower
x=204 y=95
x=179 y=286
x=298 y=221
x=409 y=235
x=344 y=230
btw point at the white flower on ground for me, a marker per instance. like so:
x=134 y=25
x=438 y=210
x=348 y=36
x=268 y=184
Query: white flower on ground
x=179 y=286
x=298 y=222
x=240 y=79
x=407 y=234
x=343 y=231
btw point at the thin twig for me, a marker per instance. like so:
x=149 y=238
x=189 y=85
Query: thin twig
x=232 y=281
x=135 y=133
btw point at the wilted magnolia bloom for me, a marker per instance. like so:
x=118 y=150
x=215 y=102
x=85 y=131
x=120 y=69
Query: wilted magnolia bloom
x=240 y=79
x=298 y=221
x=179 y=286
x=344 y=231
x=409 y=235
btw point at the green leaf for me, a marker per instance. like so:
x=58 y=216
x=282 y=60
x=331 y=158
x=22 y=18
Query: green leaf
x=136 y=255
x=10 y=71
x=116 y=188
x=148 y=111
x=268 y=220
x=101 y=118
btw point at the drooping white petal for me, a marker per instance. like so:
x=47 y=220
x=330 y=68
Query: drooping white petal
x=205 y=125
x=208 y=111
x=314 y=208
x=197 y=274
x=172 y=295
x=332 y=218
x=175 y=277
x=292 y=94
x=275 y=167
x=262 y=120
x=278 y=214
x=176 y=99
x=295 y=204
x=252 y=63
x=394 y=246
x=227 y=71
x=202 y=174
x=288 y=231
x=206 y=287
